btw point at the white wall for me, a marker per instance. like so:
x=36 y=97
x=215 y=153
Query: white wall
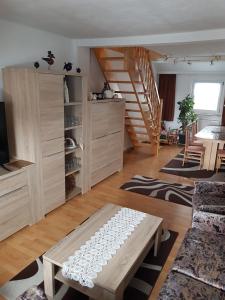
x=22 y=45
x=184 y=85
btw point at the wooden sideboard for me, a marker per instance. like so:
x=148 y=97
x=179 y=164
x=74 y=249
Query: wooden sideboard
x=106 y=119
x=17 y=198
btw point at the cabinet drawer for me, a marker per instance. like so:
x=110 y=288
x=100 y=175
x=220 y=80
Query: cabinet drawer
x=107 y=118
x=11 y=202
x=52 y=147
x=21 y=219
x=54 y=181
x=12 y=183
x=106 y=171
x=105 y=150
x=51 y=106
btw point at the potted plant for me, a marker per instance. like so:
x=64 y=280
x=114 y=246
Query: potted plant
x=186 y=116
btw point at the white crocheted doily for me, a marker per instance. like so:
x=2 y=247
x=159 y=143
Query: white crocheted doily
x=86 y=262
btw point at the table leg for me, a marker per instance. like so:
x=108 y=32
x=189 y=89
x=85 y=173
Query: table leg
x=213 y=155
x=158 y=237
x=49 y=279
x=207 y=157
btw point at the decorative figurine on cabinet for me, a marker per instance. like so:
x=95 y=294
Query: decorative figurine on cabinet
x=68 y=66
x=50 y=59
x=36 y=64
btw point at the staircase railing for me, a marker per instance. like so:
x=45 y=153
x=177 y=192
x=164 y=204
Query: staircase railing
x=139 y=65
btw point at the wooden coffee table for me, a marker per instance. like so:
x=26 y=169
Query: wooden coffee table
x=115 y=276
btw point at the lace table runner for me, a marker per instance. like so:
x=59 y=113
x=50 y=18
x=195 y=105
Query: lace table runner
x=86 y=262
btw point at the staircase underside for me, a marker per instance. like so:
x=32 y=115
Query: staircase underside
x=128 y=72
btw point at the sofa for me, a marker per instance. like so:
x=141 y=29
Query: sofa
x=198 y=271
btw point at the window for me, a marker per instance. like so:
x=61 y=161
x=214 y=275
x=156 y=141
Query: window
x=207 y=96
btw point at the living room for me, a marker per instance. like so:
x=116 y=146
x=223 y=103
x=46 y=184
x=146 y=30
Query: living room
x=112 y=150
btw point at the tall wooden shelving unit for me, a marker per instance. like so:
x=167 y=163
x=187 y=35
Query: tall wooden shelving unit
x=39 y=120
x=74 y=129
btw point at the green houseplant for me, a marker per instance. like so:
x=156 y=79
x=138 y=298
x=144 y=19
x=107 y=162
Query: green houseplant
x=186 y=116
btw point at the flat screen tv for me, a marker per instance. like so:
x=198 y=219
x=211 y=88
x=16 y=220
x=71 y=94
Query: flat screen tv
x=4 y=150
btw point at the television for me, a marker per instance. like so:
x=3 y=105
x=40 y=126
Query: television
x=4 y=149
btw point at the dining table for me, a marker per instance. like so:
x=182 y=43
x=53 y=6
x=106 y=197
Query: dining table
x=212 y=138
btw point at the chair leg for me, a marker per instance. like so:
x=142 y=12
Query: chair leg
x=218 y=163
x=184 y=158
x=201 y=161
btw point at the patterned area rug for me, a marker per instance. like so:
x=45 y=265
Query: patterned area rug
x=189 y=170
x=173 y=192
x=139 y=288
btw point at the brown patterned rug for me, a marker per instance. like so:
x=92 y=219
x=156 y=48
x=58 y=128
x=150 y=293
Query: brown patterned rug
x=189 y=170
x=139 y=288
x=173 y=192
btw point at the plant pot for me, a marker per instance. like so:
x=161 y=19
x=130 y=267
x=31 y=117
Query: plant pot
x=181 y=139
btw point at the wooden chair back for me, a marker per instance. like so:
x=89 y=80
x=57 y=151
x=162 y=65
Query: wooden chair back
x=187 y=136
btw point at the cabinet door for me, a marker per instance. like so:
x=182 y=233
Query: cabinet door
x=106 y=118
x=54 y=181
x=106 y=150
x=51 y=106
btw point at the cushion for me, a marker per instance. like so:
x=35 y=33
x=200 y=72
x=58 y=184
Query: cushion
x=211 y=222
x=209 y=203
x=181 y=287
x=202 y=257
x=204 y=187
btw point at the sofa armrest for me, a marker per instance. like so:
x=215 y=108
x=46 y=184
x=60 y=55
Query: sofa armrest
x=210 y=222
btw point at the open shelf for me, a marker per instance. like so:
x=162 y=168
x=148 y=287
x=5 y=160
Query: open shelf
x=73 y=171
x=72 y=127
x=69 y=151
x=76 y=191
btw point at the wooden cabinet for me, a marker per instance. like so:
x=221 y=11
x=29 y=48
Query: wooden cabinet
x=15 y=201
x=106 y=143
x=37 y=115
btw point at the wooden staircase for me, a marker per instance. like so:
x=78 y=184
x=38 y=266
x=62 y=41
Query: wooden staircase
x=129 y=73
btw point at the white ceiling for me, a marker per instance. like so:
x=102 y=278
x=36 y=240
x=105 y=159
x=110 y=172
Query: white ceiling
x=114 y=18
x=191 y=49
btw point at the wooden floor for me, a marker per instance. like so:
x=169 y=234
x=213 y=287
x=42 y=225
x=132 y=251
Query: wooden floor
x=22 y=248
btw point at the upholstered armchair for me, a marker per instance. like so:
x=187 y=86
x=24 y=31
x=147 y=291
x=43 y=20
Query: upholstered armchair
x=209 y=207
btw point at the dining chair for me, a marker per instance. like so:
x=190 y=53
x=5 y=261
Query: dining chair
x=220 y=159
x=192 y=152
x=194 y=130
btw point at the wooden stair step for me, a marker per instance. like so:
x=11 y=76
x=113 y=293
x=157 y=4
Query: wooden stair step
x=133 y=110
x=135 y=102
x=131 y=102
x=115 y=71
x=133 y=118
x=143 y=145
x=131 y=92
x=135 y=125
x=137 y=132
x=124 y=81
x=112 y=58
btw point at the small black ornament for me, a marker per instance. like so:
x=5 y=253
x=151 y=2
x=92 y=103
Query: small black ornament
x=50 y=59
x=36 y=64
x=78 y=70
x=68 y=66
